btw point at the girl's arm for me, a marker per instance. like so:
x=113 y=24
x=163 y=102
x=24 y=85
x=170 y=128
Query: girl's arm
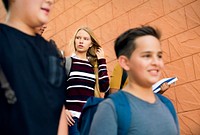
x=63 y=127
x=102 y=71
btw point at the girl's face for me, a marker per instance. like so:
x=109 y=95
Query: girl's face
x=145 y=63
x=82 y=41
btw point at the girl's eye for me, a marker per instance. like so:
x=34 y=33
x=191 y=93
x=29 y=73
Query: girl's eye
x=77 y=37
x=86 y=39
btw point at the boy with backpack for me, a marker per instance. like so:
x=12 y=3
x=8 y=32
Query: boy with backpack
x=139 y=53
x=32 y=70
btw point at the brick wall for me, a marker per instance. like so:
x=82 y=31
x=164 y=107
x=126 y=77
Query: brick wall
x=179 y=21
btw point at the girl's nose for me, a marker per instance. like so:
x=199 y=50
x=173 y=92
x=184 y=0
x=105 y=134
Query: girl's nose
x=81 y=40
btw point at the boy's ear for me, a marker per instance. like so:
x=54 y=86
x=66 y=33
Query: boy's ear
x=124 y=62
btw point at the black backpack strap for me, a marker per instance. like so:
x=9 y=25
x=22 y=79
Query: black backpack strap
x=68 y=64
x=124 y=77
x=123 y=110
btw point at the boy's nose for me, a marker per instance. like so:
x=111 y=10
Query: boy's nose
x=155 y=60
x=50 y=1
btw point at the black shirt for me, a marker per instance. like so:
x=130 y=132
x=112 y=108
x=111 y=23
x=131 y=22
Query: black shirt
x=35 y=72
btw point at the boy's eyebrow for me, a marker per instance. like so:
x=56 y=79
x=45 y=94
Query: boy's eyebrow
x=146 y=52
x=160 y=52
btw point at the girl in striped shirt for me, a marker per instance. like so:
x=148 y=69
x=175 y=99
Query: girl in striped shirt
x=83 y=77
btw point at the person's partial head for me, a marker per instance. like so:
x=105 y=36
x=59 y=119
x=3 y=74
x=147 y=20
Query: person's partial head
x=125 y=44
x=139 y=53
x=84 y=41
x=34 y=13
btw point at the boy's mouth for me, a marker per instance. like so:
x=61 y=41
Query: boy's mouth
x=154 y=72
x=46 y=10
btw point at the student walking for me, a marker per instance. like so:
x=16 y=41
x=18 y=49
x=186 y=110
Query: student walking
x=88 y=71
x=32 y=68
x=139 y=53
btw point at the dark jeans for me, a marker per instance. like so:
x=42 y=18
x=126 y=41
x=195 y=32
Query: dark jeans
x=73 y=130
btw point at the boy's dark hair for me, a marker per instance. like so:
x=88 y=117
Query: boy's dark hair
x=6 y=4
x=125 y=43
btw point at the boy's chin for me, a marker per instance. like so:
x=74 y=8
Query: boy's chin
x=154 y=80
x=44 y=19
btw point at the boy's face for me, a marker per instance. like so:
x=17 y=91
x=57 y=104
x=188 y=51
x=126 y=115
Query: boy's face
x=32 y=12
x=146 y=62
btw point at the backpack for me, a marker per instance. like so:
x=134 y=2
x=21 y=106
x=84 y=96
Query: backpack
x=122 y=108
x=124 y=77
x=68 y=64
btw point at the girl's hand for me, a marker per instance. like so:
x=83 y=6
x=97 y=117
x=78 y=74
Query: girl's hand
x=70 y=121
x=100 y=53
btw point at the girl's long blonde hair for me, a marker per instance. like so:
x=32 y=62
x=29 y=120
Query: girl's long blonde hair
x=92 y=57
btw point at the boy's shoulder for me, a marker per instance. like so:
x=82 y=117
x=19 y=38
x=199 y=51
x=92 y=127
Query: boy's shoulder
x=3 y=35
x=4 y=28
x=169 y=106
x=167 y=103
x=1 y=29
x=1 y=25
x=7 y=32
x=164 y=99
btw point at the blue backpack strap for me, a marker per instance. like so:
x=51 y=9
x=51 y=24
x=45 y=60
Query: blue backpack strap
x=123 y=110
x=170 y=106
x=88 y=111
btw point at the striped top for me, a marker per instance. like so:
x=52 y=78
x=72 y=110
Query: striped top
x=81 y=82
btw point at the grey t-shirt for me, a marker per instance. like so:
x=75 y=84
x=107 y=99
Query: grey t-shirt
x=146 y=118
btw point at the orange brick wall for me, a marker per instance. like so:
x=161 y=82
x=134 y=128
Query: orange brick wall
x=179 y=21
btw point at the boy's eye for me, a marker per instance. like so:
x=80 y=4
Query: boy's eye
x=160 y=56
x=147 y=55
